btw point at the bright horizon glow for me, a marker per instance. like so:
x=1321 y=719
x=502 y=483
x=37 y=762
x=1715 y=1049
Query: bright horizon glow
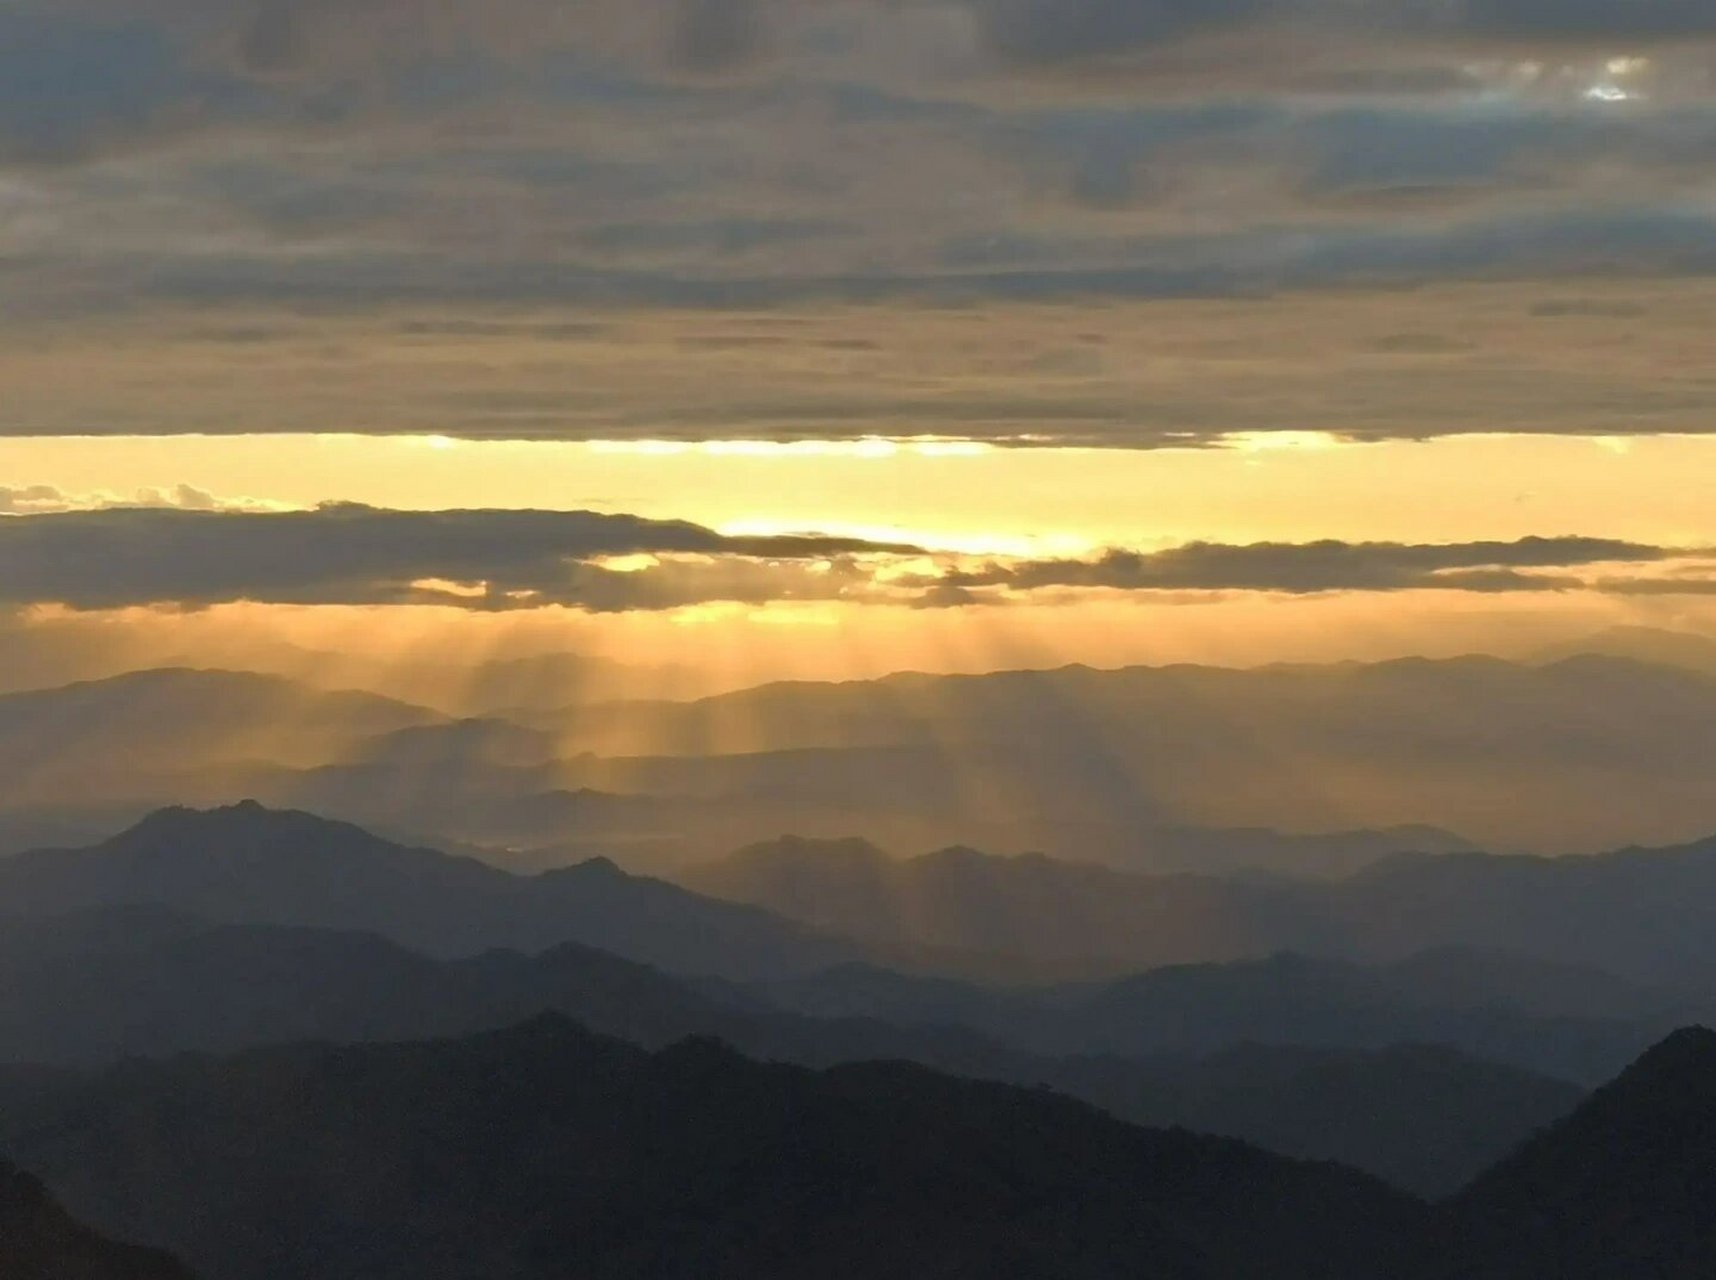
x=1309 y=486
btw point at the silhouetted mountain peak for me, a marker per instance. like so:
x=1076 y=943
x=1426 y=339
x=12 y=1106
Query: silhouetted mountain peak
x=958 y=856
x=548 y=1027
x=700 y=1055
x=600 y=866
x=1682 y=1067
x=246 y=825
x=165 y=677
x=254 y=865
x=243 y=815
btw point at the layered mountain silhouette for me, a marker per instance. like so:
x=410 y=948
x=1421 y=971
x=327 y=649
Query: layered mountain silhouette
x=1579 y=754
x=119 y=738
x=1151 y=769
x=1647 y=915
x=548 y=1151
x=40 y=1241
x=1568 y=1022
x=1665 y=647
x=961 y=899
x=504 y=788
x=1455 y=932
x=96 y=987
x=252 y=865
x=492 y=686
x=1295 y=999
x=246 y=927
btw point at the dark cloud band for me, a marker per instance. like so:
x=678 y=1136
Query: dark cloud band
x=357 y=555
x=518 y=560
x=1312 y=568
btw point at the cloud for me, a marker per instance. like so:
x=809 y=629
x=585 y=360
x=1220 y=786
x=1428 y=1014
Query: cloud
x=257 y=161
x=717 y=35
x=1558 y=245
x=71 y=87
x=47 y=499
x=505 y=561
x=1583 y=20
x=1066 y=30
x=347 y=554
x=1605 y=358
x=1315 y=568
x=1062 y=30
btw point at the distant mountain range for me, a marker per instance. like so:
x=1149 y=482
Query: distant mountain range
x=803 y=907
x=1498 y=1007
x=454 y=684
x=1578 y=754
x=546 y=1151
x=88 y=759
x=960 y=899
x=1688 y=649
x=1298 y=770
x=1648 y=915
x=116 y=739
x=252 y=865
x=1111 y=766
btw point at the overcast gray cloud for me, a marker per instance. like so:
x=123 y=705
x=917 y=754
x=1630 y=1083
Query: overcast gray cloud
x=1101 y=29
x=376 y=156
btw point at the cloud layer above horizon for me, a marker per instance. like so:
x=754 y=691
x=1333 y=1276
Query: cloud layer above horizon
x=196 y=553
x=1093 y=222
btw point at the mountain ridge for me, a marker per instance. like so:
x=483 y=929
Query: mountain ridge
x=245 y=863
x=543 y=1150
x=90 y=989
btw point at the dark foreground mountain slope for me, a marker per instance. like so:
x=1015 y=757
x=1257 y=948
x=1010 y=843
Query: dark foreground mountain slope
x=40 y=1241
x=253 y=865
x=1623 y=1189
x=545 y=1151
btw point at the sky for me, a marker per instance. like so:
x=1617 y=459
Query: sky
x=828 y=337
